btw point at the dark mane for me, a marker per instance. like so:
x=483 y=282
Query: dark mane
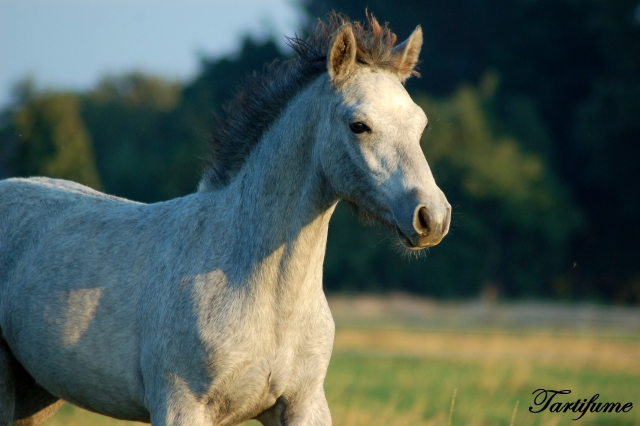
x=264 y=95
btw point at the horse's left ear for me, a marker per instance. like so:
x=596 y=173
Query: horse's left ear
x=405 y=55
x=342 y=55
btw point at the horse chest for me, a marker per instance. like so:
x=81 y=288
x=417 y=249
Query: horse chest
x=245 y=385
x=255 y=370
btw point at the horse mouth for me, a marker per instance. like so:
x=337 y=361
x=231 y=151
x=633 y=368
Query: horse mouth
x=406 y=241
x=369 y=217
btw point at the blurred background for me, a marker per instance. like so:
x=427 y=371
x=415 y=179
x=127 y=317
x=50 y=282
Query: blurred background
x=534 y=110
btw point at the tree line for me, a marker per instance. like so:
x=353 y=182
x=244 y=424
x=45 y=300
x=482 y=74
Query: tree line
x=534 y=136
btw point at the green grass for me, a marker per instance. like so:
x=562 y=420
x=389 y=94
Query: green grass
x=364 y=390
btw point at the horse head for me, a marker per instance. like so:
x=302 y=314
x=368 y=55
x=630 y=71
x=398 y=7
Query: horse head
x=372 y=156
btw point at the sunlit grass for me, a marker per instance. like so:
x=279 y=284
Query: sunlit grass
x=413 y=391
x=69 y=415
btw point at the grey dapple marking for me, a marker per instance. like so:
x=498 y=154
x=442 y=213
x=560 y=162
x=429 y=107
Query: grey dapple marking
x=209 y=309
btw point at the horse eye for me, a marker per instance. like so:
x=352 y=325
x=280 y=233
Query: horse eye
x=359 y=127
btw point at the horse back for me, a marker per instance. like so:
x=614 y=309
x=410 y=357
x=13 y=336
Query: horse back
x=29 y=208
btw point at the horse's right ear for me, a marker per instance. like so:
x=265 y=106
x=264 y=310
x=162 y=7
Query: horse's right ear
x=405 y=55
x=342 y=55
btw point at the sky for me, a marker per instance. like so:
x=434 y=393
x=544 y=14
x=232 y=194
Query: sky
x=71 y=44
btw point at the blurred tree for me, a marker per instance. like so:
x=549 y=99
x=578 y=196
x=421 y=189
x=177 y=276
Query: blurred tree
x=605 y=145
x=131 y=120
x=216 y=84
x=524 y=216
x=151 y=135
x=50 y=138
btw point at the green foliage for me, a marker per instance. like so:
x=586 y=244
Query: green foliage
x=465 y=142
x=151 y=135
x=513 y=206
x=219 y=79
x=140 y=152
x=605 y=136
x=52 y=139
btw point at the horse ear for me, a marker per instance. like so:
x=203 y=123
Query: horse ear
x=342 y=55
x=405 y=55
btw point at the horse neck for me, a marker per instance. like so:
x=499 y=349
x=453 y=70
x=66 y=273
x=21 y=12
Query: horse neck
x=282 y=202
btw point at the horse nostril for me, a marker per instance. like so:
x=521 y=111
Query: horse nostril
x=423 y=221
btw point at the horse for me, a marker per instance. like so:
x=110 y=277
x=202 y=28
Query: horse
x=209 y=309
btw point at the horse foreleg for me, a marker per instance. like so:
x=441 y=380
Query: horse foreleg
x=176 y=408
x=39 y=417
x=185 y=415
x=7 y=385
x=22 y=401
x=313 y=411
x=34 y=405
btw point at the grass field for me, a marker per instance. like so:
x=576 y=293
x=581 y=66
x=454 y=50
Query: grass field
x=399 y=361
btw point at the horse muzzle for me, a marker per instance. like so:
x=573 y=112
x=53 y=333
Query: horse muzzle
x=427 y=226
